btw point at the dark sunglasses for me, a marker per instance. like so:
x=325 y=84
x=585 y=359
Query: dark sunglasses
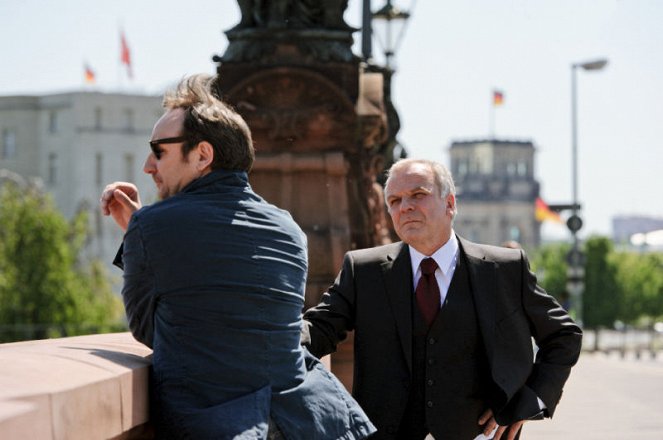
x=172 y=140
x=154 y=145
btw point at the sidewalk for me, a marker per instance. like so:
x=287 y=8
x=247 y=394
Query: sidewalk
x=607 y=398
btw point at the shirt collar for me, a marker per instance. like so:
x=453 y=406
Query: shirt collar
x=445 y=257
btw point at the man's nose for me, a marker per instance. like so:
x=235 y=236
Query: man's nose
x=149 y=166
x=406 y=204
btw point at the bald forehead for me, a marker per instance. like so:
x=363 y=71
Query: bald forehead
x=412 y=168
x=170 y=124
x=409 y=177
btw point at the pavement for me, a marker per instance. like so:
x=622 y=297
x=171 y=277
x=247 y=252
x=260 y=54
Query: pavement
x=607 y=397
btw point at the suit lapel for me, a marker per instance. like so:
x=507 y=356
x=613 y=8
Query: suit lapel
x=482 y=282
x=397 y=272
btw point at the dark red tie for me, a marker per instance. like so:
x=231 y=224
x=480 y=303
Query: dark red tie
x=428 y=292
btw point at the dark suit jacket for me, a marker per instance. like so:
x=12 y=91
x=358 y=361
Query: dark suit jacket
x=372 y=295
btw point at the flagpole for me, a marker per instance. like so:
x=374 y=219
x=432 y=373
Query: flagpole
x=498 y=99
x=125 y=55
x=492 y=117
x=119 y=59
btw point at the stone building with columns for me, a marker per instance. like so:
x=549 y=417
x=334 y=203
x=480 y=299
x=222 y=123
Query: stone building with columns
x=496 y=191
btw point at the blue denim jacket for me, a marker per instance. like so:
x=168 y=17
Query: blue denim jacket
x=214 y=282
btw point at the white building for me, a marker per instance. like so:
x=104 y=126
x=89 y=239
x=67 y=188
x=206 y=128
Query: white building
x=76 y=143
x=625 y=226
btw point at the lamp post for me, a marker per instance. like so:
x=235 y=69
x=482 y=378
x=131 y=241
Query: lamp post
x=574 y=223
x=390 y=24
x=391 y=15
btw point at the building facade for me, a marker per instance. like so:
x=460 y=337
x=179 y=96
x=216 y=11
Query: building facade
x=625 y=226
x=74 y=144
x=496 y=191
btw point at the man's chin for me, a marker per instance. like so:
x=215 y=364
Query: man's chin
x=409 y=236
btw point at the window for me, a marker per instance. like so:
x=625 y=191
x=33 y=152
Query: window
x=129 y=120
x=8 y=144
x=97 y=118
x=510 y=169
x=98 y=169
x=129 y=167
x=462 y=168
x=52 y=168
x=52 y=121
x=522 y=169
x=514 y=233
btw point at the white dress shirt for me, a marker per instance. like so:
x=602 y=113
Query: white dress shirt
x=445 y=257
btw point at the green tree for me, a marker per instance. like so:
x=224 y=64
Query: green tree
x=601 y=297
x=640 y=278
x=45 y=291
x=623 y=286
x=549 y=263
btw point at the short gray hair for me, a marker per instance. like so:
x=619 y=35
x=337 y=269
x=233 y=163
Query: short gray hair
x=443 y=178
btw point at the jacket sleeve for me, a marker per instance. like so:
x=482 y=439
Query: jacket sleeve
x=327 y=324
x=138 y=291
x=557 y=337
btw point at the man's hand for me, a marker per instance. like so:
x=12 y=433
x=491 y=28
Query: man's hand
x=489 y=424
x=120 y=200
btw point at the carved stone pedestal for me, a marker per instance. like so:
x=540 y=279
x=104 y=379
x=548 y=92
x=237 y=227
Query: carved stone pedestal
x=318 y=122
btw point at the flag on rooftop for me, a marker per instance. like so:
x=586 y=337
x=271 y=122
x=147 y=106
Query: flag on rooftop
x=90 y=77
x=125 y=54
x=498 y=98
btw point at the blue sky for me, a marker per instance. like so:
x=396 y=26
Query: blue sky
x=453 y=54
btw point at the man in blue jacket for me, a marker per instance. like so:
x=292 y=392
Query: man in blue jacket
x=214 y=283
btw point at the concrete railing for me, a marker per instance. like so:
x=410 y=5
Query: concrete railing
x=85 y=387
x=641 y=343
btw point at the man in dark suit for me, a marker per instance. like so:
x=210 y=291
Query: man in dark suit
x=443 y=327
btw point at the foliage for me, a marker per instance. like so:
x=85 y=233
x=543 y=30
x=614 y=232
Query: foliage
x=550 y=266
x=44 y=290
x=640 y=277
x=601 y=300
x=619 y=285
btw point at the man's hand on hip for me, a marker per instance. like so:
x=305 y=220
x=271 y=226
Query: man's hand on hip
x=490 y=424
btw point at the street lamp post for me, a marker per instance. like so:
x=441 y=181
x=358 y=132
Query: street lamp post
x=576 y=259
x=391 y=15
x=387 y=25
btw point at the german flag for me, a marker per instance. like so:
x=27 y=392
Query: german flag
x=90 y=77
x=498 y=98
x=543 y=213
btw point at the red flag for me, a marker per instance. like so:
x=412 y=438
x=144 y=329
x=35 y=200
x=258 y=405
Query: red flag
x=498 y=98
x=543 y=213
x=125 y=55
x=90 y=77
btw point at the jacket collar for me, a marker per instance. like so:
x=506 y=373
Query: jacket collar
x=483 y=282
x=397 y=271
x=223 y=177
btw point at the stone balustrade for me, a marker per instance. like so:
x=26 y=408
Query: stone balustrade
x=85 y=387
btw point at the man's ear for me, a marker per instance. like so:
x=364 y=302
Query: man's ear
x=450 y=202
x=205 y=156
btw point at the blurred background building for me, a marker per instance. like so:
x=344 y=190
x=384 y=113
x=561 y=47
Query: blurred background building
x=625 y=226
x=73 y=144
x=496 y=191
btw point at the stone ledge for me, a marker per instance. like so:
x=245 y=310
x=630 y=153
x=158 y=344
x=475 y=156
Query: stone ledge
x=85 y=387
